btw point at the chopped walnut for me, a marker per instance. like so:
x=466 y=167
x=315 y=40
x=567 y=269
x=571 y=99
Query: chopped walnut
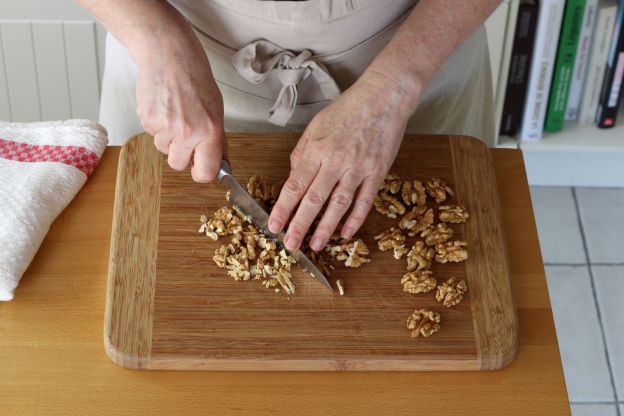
x=413 y=193
x=419 y=257
x=390 y=239
x=455 y=214
x=340 y=286
x=423 y=322
x=416 y=220
x=453 y=251
x=392 y=183
x=388 y=205
x=418 y=281
x=451 y=292
x=222 y=223
x=438 y=190
x=437 y=234
x=353 y=253
x=399 y=251
x=258 y=188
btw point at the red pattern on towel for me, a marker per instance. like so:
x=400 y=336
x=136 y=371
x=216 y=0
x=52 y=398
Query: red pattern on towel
x=81 y=158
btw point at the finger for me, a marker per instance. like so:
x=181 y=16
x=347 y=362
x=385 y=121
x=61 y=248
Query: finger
x=361 y=207
x=293 y=190
x=311 y=205
x=207 y=159
x=295 y=155
x=339 y=203
x=180 y=153
x=162 y=141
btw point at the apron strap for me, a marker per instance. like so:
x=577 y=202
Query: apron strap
x=256 y=60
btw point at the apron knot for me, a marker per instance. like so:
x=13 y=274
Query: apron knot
x=257 y=60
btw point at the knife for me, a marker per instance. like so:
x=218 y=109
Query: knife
x=240 y=198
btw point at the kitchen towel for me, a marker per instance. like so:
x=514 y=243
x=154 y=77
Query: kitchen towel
x=42 y=167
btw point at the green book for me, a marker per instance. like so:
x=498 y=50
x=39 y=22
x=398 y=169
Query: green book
x=564 y=64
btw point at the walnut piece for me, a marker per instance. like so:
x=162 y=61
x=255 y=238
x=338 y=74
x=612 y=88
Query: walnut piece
x=354 y=253
x=223 y=222
x=438 y=190
x=455 y=214
x=452 y=251
x=416 y=220
x=388 y=205
x=418 y=281
x=419 y=257
x=391 y=184
x=390 y=239
x=258 y=188
x=437 y=234
x=413 y=193
x=423 y=322
x=451 y=292
x=399 y=251
x=340 y=286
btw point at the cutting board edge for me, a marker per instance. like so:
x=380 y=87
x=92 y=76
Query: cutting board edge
x=496 y=331
x=126 y=342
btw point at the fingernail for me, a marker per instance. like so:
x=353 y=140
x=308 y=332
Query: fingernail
x=347 y=233
x=273 y=226
x=316 y=244
x=290 y=242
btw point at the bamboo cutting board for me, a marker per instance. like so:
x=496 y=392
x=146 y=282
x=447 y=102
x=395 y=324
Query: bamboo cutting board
x=170 y=307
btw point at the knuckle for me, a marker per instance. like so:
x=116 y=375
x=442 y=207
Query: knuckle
x=341 y=200
x=364 y=202
x=204 y=175
x=314 y=197
x=294 y=186
x=339 y=157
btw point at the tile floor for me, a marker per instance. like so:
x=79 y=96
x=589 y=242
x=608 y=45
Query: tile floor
x=580 y=233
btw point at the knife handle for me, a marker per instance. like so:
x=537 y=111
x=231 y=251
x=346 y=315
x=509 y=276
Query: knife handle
x=225 y=169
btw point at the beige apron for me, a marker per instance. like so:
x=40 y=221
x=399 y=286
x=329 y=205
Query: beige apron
x=278 y=63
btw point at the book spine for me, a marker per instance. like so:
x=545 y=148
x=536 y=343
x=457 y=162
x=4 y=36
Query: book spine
x=612 y=82
x=598 y=61
x=520 y=64
x=540 y=77
x=564 y=65
x=582 y=57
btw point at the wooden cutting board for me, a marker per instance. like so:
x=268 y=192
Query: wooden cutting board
x=170 y=307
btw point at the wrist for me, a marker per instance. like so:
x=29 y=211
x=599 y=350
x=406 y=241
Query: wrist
x=403 y=93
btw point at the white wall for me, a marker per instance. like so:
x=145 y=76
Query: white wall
x=51 y=60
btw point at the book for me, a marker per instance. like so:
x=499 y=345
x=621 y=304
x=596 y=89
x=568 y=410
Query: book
x=540 y=75
x=605 y=23
x=520 y=63
x=582 y=56
x=564 y=64
x=610 y=94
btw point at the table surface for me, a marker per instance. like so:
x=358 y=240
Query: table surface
x=52 y=358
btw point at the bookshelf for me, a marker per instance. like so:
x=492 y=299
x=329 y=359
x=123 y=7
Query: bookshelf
x=579 y=155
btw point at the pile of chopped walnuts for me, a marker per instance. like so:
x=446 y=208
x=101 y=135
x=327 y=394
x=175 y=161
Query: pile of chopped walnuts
x=407 y=202
x=250 y=255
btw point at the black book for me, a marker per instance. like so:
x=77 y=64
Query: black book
x=611 y=92
x=519 y=67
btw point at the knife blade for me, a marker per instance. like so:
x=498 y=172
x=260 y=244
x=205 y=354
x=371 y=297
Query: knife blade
x=240 y=198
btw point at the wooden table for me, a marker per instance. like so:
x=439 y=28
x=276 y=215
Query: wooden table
x=52 y=359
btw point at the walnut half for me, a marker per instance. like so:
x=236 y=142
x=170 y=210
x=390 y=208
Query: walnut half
x=388 y=205
x=455 y=214
x=451 y=292
x=418 y=281
x=390 y=239
x=439 y=234
x=438 y=190
x=419 y=257
x=453 y=251
x=413 y=193
x=416 y=220
x=423 y=322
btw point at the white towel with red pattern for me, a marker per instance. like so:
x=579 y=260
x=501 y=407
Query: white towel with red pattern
x=42 y=167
